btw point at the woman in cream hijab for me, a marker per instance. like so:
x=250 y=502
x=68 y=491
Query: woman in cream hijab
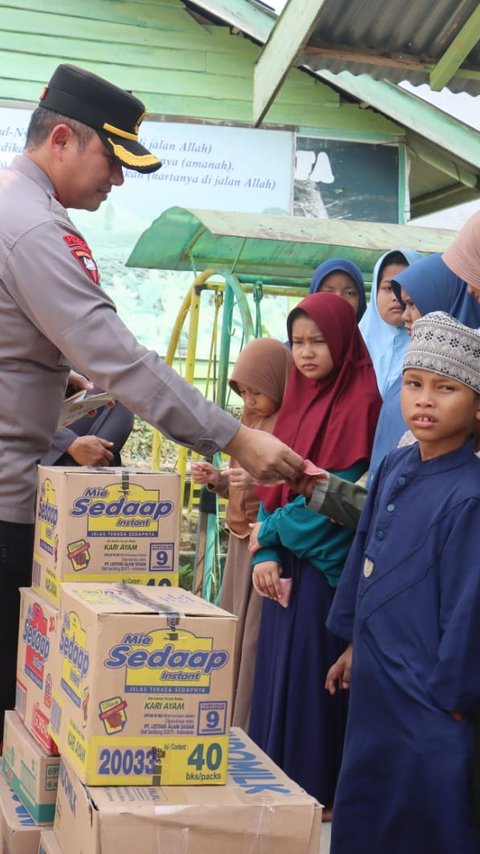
x=463 y=255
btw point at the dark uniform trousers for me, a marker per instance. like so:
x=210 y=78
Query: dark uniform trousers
x=16 y=554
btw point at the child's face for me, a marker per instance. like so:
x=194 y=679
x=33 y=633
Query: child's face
x=310 y=351
x=440 y=412
x=410 y=312
x=343 y=285
x=388 y=305
x=256 y=403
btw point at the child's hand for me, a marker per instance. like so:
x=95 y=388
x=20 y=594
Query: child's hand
x=254 y=545
x=239 y=478
x=266 y=579
x=203 y=472
x=304 y=484
x=339 y=673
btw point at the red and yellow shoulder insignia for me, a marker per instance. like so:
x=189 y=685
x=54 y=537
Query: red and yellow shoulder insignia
x=82 y=252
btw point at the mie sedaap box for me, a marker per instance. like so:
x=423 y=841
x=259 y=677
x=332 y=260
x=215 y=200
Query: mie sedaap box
x=142 y=685
x=105 y=524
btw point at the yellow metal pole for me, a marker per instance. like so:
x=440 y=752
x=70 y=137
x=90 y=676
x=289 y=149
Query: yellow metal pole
x=191 y=303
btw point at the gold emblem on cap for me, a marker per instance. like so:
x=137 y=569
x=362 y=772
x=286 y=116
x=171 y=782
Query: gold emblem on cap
x=119 y=132
x=139 y=121
x=129 y=159
x=367 y=567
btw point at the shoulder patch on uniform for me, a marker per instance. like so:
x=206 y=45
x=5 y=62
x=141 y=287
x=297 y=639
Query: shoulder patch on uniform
x=82 y=252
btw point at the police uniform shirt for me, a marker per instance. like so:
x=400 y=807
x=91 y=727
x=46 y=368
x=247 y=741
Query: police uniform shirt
x=53 y=314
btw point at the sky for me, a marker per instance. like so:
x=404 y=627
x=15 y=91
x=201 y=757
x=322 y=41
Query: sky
x=460 y=105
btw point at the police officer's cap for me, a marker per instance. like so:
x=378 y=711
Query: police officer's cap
x=114 y=113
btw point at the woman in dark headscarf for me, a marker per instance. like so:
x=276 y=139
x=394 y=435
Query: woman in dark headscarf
x=343 y=277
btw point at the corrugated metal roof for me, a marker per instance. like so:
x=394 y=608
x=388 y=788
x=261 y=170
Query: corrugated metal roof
x=444 y=153
x=387 y=39
x=397 y=36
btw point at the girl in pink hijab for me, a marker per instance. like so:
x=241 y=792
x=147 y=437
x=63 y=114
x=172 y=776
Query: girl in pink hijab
x=259 y=378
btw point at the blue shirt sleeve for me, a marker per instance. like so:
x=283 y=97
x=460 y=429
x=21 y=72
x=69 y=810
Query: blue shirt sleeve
x=342 y=613
x=454 y=683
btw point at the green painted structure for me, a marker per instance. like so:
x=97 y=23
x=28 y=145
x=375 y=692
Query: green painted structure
x=262 y=252
x=195 y=61
x=177 y=65
x=277 y=249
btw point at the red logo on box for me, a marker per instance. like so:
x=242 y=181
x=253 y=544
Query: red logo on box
x=40 y=730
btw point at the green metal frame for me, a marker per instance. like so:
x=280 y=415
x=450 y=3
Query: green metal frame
x=256 y=254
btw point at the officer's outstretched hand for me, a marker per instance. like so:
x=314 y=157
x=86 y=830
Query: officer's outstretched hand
x=264 y=456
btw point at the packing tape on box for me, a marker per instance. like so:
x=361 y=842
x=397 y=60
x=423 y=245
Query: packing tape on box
x=173 y=617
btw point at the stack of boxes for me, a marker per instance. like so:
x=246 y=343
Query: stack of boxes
x=131 y=684
x=94 y=525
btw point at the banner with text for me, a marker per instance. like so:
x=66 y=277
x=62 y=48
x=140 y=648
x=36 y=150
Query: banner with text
x=204 y=166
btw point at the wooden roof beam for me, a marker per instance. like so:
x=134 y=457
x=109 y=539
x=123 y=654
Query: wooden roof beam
x=463 y=43
x=401 y=61
x=287 y=39
x=445 y=197
x=451 y=166
x=366 y=57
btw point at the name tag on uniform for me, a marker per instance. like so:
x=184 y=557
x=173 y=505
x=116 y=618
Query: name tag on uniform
x=367 y=567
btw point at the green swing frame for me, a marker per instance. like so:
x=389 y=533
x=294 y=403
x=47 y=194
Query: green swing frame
x=239 y=255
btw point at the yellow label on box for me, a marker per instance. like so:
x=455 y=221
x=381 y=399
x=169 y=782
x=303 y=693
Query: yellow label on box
x=75 y=658
x=105 y=525
x=144 y=760
x=144 y=667
x=47 y=583
x=177 y=761
x=166 y=661
x=122 y=512
x=47 y=517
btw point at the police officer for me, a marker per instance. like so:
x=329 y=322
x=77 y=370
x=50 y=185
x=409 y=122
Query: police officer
x=53 y=313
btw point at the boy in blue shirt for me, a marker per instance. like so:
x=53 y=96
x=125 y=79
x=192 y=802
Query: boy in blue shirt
x=409 y=602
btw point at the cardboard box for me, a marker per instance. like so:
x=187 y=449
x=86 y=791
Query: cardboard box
x=142 y=685
x=36 y=641
x=49 y=843
x=19 y=834
x=259 y=811
x=103 y=525
x=29 y=771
